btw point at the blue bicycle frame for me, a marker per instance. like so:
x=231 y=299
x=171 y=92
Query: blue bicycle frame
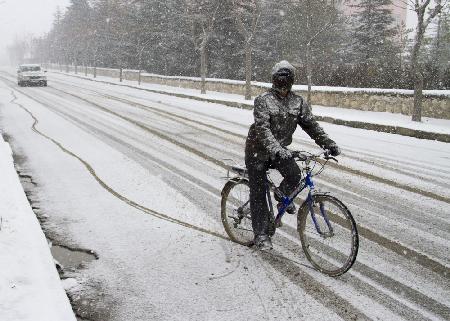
x=287 y=200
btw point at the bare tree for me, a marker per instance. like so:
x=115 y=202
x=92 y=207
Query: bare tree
x=202 y=16
x=326 y=9
x=247 y=14
x=423 y=20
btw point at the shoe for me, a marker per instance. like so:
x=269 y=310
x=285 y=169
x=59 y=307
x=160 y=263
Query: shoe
x=291 y=209
x=263 y=242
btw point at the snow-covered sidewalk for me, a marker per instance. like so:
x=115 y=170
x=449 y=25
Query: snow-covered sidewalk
x=429 y=128
x=431 y=125
x=30 y=288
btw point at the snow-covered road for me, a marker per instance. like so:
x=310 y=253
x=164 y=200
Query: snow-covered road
x=136 y=176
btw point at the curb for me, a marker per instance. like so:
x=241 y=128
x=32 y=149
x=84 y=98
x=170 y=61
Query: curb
x=403 y=131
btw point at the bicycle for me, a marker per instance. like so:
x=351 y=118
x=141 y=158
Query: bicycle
x=327 y=230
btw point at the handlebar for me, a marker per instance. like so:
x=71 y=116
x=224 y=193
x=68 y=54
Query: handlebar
x=305 y=156
x=327 y=155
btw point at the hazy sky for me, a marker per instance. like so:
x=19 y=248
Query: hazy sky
x=24 y=17
x=19 y=18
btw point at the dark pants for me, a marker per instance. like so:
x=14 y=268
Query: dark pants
x=257 y=178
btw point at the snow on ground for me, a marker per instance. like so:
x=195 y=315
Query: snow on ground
x=382 y=118
x=153 y=269
x=410 y=161
x=30 y=288
x=365 y=150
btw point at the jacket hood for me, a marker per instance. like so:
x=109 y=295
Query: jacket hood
x=284 y=64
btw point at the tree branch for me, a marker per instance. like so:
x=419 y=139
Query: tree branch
x=437 y=9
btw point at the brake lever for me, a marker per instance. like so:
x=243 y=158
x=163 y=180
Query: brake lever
x=299 y=156
x=332 y=158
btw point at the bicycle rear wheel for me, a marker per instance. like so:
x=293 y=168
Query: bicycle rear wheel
x=236 y=217
x=328 y=234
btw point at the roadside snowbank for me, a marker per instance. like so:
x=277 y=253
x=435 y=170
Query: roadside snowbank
x=432 y=125
x=30 y=288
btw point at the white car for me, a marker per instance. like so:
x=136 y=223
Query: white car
x=31 y=74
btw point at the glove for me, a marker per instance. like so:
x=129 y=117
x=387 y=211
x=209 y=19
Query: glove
x=284 y=154
x=334 y=150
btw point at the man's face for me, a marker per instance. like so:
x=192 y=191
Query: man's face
x=283 y=80
x=284 y=91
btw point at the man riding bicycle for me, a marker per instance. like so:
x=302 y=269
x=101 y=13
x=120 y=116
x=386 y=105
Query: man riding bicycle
x=277 y=114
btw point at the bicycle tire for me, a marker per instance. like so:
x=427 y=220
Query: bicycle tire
x=238 y=226
x=336 y=253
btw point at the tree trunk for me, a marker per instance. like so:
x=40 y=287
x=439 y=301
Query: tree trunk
x=76 y=67
x=248 y=72
x=418 y=77
x=120 y=74
x=140 y=67
x=308 y=54
x=203 y=69
x=95 y=65
x=418 y=88
x=437 y=56
x=308 y=72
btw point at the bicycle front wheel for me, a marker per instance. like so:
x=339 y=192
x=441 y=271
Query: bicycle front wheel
x=328 y=234
x=236 y=217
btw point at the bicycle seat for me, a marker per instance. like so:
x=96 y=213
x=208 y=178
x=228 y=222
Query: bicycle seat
x=240 y=170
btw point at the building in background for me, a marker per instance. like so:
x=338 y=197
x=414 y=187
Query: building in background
x=398 y=9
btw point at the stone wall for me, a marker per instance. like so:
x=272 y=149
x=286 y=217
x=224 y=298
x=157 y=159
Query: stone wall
x=433 y=105
x=436 y=106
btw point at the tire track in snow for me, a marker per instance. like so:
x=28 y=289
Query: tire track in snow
x=107 y=187
x=381 y=298
x=362 y=272
x=365 y=232
x=333 y=165
x=317 y=290
x=396 y=247
x=412 y=295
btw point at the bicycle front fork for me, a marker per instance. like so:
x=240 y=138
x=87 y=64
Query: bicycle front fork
x=323 y=213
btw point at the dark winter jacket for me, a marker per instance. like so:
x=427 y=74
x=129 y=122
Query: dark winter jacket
x=276 y=119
